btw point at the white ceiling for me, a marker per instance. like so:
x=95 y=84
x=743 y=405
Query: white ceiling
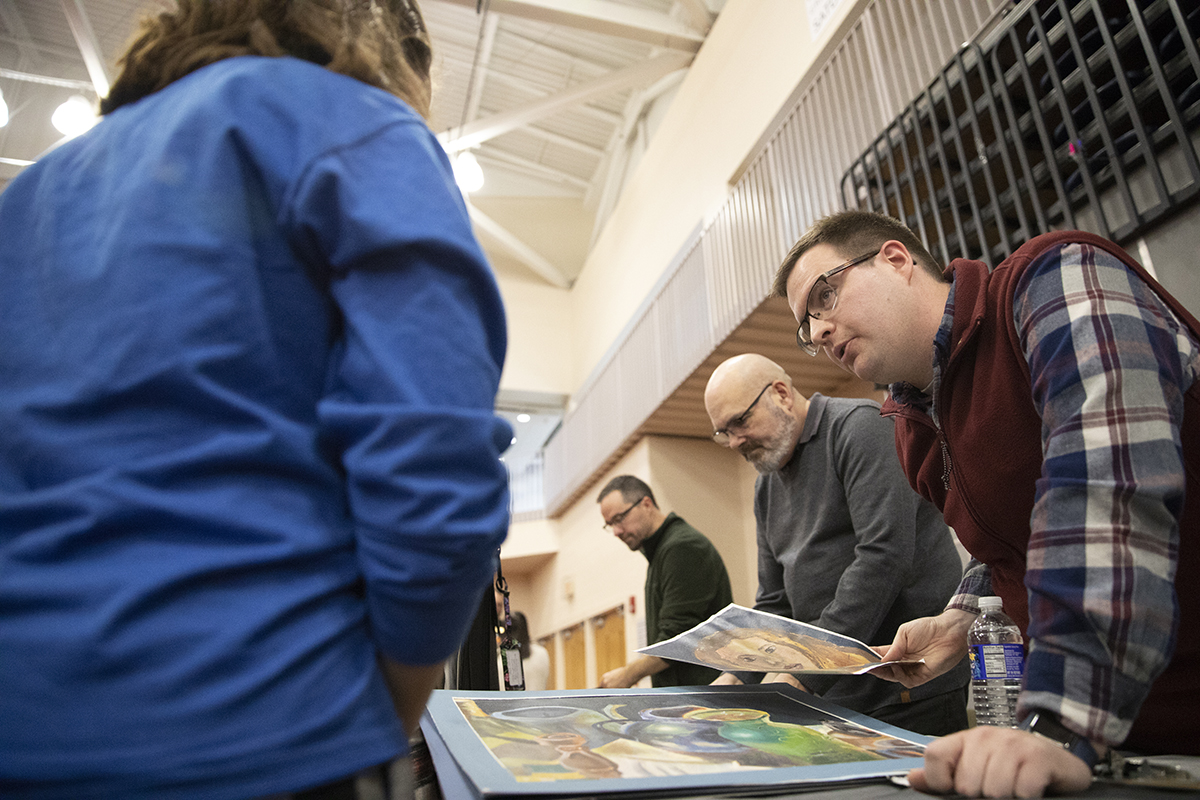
x=557 y=99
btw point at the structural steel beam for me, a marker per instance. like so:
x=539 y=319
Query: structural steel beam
x=89 y=46
x=602 y=16
x=639 y=74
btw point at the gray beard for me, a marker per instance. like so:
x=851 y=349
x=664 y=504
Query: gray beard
x=767 y=462
x=776 y=450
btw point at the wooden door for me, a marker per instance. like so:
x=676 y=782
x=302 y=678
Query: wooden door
x=574 y=658
x=608 y=633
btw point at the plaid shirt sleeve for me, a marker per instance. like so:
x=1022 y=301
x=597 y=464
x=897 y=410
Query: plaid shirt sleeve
x=976 y=583
x=1109 y=364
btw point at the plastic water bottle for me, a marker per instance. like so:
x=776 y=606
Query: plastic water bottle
x=997 y=664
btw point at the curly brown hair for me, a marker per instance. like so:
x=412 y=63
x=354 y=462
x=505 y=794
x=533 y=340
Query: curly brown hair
x=380 y=42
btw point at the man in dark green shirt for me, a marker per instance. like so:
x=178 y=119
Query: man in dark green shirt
x=685 y=584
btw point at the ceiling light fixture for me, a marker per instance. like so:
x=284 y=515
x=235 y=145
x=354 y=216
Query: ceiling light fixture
x=3 y=111
x=74 y=116
x=467 y=172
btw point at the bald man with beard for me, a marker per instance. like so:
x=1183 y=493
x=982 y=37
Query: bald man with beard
x=843 y=541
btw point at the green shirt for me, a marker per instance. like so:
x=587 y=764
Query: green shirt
x=685 y=585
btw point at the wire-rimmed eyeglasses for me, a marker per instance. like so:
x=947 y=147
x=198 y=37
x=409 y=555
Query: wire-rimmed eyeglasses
x=822 y=297
x=738 y=423
x=617 y=519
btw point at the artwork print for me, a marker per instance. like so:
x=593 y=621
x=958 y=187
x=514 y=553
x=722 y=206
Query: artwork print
x=541 y=738
x=738 y=639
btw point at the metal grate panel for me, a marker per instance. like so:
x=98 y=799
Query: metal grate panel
x=1069 y=115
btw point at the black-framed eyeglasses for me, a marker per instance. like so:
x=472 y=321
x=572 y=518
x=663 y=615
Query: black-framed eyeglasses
x=738 y=423
x=823 y=298
x=617 y=519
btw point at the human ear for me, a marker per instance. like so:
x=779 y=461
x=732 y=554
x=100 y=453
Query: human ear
x=779 y=389
x=895 y=254
x=898 y=257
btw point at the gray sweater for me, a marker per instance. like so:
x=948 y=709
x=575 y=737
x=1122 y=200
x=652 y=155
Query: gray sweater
x=846 y=544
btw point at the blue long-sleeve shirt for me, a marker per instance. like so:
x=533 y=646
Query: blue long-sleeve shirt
x=249 y=350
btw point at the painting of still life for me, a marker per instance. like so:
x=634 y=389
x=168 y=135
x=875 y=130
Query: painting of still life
x=687 y=738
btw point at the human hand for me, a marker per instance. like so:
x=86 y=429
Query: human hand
x=616 y=679
x=726 y=679
x=785 y=677
x=410 y=687
x=988 y=761
x=940 y=641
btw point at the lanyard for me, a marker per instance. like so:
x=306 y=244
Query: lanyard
x=510 y=651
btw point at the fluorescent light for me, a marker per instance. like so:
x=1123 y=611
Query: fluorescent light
x=3 y=111
x=467 y=172
x=74 y=116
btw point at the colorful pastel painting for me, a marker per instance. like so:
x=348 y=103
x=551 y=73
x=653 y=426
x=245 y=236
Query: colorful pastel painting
x=745 y=640
x=597 y=737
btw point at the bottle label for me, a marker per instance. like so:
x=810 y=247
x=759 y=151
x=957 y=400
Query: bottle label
x=1003 y=661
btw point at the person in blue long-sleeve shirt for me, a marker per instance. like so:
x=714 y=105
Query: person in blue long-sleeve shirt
x=250 y=488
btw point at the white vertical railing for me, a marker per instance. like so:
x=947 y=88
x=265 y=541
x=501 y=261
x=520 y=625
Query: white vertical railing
x=889 y=55
x=527 y=499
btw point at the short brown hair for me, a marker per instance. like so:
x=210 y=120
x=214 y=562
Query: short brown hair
x=379 y=42
x=852 y=234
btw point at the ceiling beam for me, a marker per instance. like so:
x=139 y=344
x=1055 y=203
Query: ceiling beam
x=696 y=14
x=15 y=23
x=523 y=85
x=602 y=16
x=523 y=252
x=638 y=74
x=619 y=145
x=46 y=80
x=531 y=43
x=29 y=46
x=506 y=159
x=563 y=141
x=89 y=46
x=480 y=66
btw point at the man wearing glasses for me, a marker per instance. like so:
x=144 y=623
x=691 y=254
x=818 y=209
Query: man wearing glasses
x=1049 y=407
x=843 y=542
x=686 y=582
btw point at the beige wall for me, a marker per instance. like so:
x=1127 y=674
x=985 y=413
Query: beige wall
x=539 y=337
x=713 y=489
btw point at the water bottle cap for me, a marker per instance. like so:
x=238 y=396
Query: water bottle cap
x=990 y=602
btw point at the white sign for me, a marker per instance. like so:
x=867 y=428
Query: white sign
x=819 y=13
